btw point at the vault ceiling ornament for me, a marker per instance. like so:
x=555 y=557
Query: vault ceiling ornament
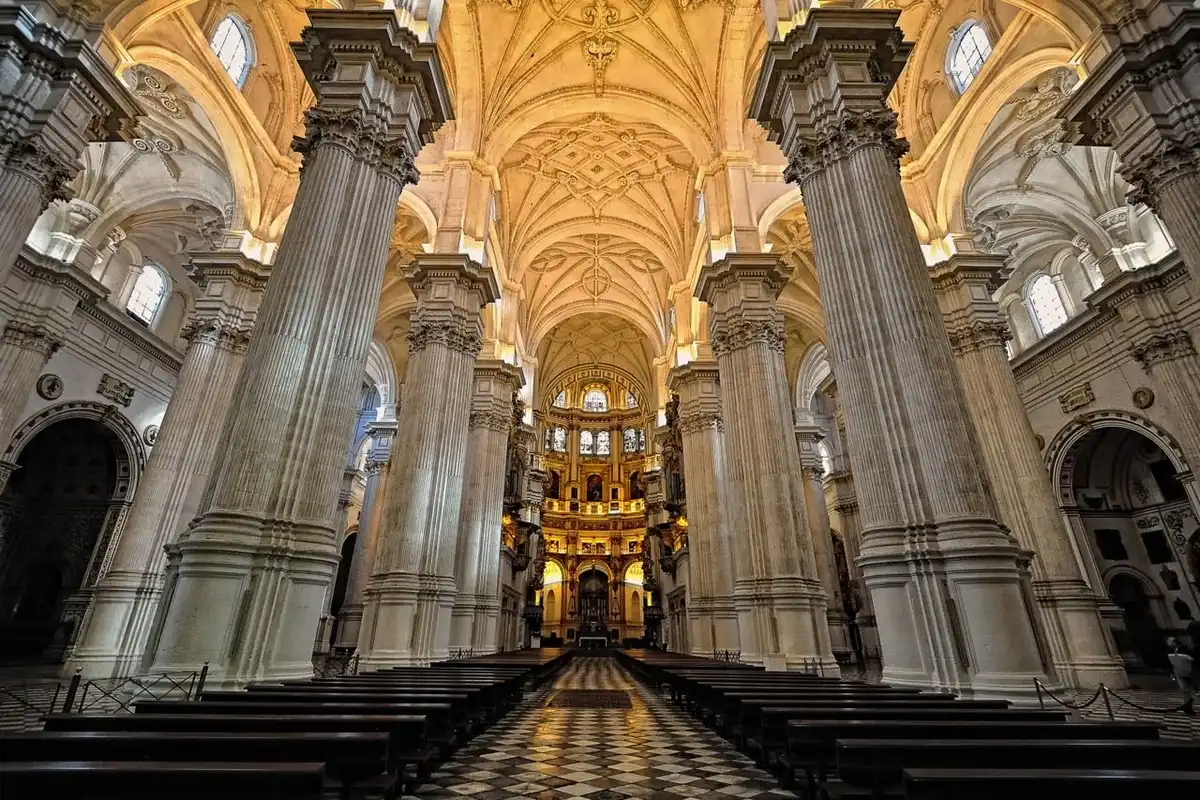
x=600 y=47
x=156 y=93
x=1050 y=93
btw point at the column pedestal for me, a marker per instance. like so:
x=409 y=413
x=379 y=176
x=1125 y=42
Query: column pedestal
x=251 y=575
x=943 y=572
x=780 y=600
x=410 y=596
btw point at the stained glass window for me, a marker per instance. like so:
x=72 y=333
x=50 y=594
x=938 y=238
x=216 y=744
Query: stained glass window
x=232 y=45
x=630 y=400
x=603 y=443
x=641 y=440
x=560 y=439
x=560 y=400
x=629 y=435
x=1045 y=304
x=969 y=49
x=586 y=445
x=147 y=294
x=595 y=400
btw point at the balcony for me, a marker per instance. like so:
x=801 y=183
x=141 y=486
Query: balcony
x=612 y=508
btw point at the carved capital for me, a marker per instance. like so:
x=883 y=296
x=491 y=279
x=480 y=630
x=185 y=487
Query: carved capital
x=1162 y=347
x=455 y=333
x=700 y=421
x=361 y=134
x=1174 y=158
x=223 y=335
x=840 y=137
x=28 y=337
x=48 y=170
x=374 y=467
x=492 y=420
x=737 y=334
x=978 y=335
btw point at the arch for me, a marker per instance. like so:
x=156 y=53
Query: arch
x=553 y=573
x=541 y=326
x=233 y=45
x=589 y=564
x=814 y=371
x=1061 y=457
x=1045 y=302
x=635 y=574
x=777 y=208
x=411 y=201
x=107 y=415
x=381 y=370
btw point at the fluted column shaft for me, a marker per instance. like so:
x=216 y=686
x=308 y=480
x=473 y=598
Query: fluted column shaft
x=24 y=351
x=410 y=597
x=808 y=435
x=943 y=572
x=780 y=600
x=845 y=505
x=252 y=573
x=127 y=597
x=1170 y=356
x=351 y=613
x=477 y=560
x=1068 y=608
x=702 y=431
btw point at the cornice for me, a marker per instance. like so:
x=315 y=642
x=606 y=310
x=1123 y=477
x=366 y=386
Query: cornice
x=109 y=318
x=51 y=270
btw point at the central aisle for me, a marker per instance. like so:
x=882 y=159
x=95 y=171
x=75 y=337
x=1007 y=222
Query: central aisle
x=648 y=750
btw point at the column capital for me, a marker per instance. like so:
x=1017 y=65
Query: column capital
x=698 y=385
x=381 y=93
x=30 y=337
x=1162 y=347
x=492 y=396
x=964 y=285
x=822 y=92
x=1132 y=102
x=451 y=290
x=741 y=290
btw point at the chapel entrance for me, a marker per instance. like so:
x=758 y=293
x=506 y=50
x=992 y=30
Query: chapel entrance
x=593 y=603
x=52 y=513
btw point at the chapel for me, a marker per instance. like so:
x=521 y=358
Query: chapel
x=844 y=339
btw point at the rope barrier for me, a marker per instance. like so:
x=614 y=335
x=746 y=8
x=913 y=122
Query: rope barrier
x=1102 y=693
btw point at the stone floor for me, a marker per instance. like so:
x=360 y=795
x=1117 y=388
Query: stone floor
x=649 y=750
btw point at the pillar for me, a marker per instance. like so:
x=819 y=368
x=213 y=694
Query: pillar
x=252 y=572
x=711 y=573
x=1140 y=101
x=808 y=436
x=1067 y=608
x=57 y=94
x=860 y=612
x=779 y=596
x=127 y=597
x=477 y=560
x=942 y=571
x=350 y=615
x=410 y=596
x=1168 y=352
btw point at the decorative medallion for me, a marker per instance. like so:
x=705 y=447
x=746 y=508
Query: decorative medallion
x=150 y=435
x=1143 y=397
x=49 y=387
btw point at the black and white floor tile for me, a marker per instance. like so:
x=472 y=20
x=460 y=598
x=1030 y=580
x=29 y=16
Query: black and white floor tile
x=650 y=750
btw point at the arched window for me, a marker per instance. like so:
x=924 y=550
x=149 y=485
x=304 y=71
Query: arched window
x=234 y=48
x=969 y=49
x=630 y=400
x=586 y=445
x=826 y=458
x=560 y=440
x=629 y=435
x=560 y=400
x=1045 y=304
x=595 y=400
x=603 y=443
x=148 y=294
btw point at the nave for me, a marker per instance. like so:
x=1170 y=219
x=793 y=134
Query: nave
x=649 y=750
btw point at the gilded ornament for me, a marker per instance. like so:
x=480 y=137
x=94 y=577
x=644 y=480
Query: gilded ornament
x=1143 y=397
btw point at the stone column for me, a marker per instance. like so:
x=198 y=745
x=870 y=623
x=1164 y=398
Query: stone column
x=410 y=597
x=942 y=570
x=350 y=616
x=477 y=604
x=808 y=435
x=168 y=497
x=1066 y=605
x=712 y=571
x=1140 y=100
x=1169 y=354
x=252 y=572
x=845 y=505
x=778 y=592
x=56 y=95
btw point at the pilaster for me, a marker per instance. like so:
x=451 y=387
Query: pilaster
x=127 y=598
x=1068 y=610
x=943 y=572
x=253 y=571
x=411 y=594
x=780 y=600
x=363 y=558
x=57 y=94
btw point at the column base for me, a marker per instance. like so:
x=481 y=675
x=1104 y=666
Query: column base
x=779 y=620
x=409 y=616
x=349 y=625
x=245 y=602
x=118 y=628
x=487 y=619
x=1082 y=654
x=839 y=634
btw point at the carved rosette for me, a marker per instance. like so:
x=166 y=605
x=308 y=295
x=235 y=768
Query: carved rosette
x=455 y=333
x=1175 y=158
x=738 y=334
x=842 y=137
x=978 y=335
x=1163 y=347
x=217 y=334
x=27 y=337
x=45 y=168
x=363 y=136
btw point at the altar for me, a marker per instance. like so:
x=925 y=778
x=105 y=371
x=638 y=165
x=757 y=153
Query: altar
x=593 y=642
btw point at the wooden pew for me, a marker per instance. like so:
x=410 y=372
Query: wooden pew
x=355 y=763
x=1047 y=784
x=878 y=764
x=154 y=780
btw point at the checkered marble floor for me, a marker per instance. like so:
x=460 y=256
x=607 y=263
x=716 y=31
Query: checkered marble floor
x=650 y=751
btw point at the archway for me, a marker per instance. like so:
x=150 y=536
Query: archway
x=1121 y=490
x=593 y=603
x=338 y=597
x=60 y=508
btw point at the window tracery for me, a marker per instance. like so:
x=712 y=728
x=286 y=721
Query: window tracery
x=970 y=48
x=587 y=444
x=603 y=443
x=233 y=46
x=1045 y=304
x=595 y=400
x=631 y=400
x=557 y=440
x=148 y=294
x=560 y=400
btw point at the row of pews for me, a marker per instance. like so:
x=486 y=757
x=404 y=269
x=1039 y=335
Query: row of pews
x=363 y=736
x=848 y=739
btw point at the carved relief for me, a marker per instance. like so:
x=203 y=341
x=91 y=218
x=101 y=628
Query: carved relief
x=455 y=333
x=840 y=137
x=1164 y=347
x=1077 y=398
x=735 y=335
x=363 y=136
x=49 y=387
x=1143 y=397
x=28 y=337
x=115 y=389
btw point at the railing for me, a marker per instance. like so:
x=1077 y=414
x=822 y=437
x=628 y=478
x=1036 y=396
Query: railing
x=602 y=508
x=1102 y=693
x=812 y=666
x=729 y=656
x=461 y=653
x=336 y=666
x=28 y=690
